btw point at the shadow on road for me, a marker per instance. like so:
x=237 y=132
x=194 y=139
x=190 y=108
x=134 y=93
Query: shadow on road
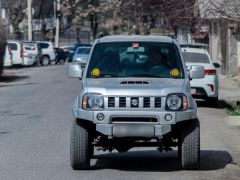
x=222 y=104
x=12 y=78
x=153 y=161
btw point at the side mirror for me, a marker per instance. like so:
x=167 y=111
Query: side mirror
x=75 y=71
x=216 y=65
x=196 y=72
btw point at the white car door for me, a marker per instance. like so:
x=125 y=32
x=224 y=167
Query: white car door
x=7 y=57
x=17 y=54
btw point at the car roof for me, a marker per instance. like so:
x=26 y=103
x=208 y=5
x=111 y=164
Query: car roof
x=194 y=45
x=47 y=42
x=83 y=47
x=137 y=38
x=195 y=50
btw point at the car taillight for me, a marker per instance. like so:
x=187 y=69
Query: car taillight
x=21 y=51
x=9 y=50
x=212 y=87
x=210 y=71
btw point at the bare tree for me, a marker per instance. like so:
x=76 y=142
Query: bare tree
x=142 y=14
x=79 y=11
x=16 y=15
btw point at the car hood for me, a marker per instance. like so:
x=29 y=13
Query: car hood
x=83 y=57
x=134 y=86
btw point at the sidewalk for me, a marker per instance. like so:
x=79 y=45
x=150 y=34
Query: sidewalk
x=229 y=88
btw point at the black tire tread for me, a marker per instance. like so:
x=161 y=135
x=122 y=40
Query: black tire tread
x=190 y=146
x=80 y=147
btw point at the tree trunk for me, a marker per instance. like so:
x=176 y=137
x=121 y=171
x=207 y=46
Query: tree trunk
x=78 y=34
x=3 y=42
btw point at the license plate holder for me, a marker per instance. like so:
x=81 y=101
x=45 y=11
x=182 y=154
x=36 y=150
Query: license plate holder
x=133 y=130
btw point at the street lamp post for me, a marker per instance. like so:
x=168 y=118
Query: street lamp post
x=57 y=24
x=29 y=9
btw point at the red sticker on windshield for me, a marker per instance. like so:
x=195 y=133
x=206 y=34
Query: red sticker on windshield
x=135 y=45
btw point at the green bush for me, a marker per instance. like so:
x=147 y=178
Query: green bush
x=3 y=42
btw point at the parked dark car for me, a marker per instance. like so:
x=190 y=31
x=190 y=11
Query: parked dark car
x=76 y=46
x=61 y=56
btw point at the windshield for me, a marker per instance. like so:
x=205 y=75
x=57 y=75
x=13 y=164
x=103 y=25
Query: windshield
x=29 y=47
x=192 y=57
x=84 y=51
x=129 y=59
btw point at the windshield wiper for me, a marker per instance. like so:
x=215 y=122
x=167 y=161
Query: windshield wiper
x=104 y=75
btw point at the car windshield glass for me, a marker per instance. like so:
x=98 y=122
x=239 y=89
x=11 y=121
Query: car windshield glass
x=192 y=57
x=135 y=59
x=29 y=47
x=83 y=51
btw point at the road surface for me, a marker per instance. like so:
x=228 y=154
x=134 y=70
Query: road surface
x=35 y=123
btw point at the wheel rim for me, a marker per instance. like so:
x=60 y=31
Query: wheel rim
x=45 y=61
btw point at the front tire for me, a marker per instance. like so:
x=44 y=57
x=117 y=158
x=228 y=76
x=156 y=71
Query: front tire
x=81 y=147
x=190 y=145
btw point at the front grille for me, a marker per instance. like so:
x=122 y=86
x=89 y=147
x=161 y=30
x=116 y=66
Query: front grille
x=134 y=120
x=133 y=102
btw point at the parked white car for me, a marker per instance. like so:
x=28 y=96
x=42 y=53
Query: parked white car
x=31 y=54
x=17 y=52
x=33 y=48
x=7 y=57
x=48 y=53
x=81 y=55
x=206 y=87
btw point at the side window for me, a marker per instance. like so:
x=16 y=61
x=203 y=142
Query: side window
x=13 y=46
x=43 y=45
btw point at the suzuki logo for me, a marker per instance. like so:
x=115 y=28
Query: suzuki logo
x=134 y=102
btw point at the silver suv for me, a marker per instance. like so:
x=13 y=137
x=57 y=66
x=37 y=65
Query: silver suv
x=135 y=92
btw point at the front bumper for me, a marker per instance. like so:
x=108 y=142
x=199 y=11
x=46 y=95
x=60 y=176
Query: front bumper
x=156 y=129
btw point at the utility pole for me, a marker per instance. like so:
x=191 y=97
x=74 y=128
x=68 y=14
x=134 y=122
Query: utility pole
x=57 y=24
x=29 y=9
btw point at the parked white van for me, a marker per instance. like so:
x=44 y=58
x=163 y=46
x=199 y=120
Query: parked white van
x=17 y=52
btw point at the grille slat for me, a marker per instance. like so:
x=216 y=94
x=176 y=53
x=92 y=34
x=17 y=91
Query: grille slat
x=158 y=102
x=122 y=102
x=146 y=102
x=134 y=82
x=111 y=102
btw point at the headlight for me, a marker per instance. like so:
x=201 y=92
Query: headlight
x=93 y=102
x=176 y=102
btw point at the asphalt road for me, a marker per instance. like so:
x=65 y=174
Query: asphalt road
x=35 y=123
